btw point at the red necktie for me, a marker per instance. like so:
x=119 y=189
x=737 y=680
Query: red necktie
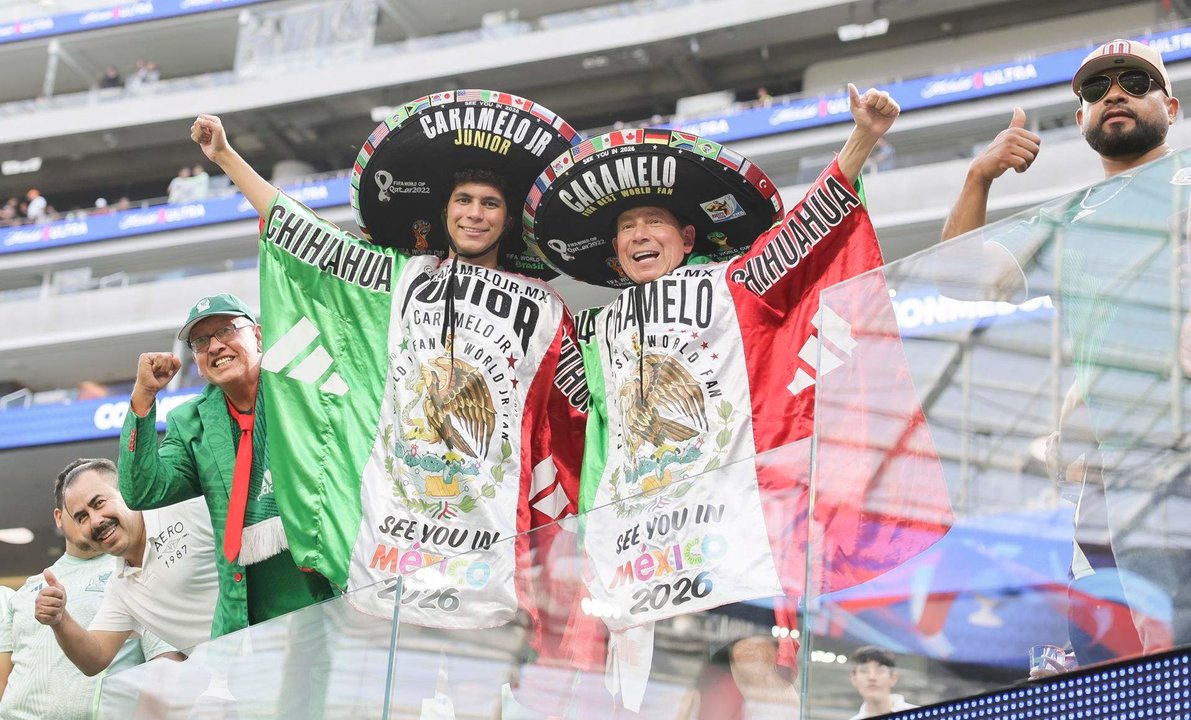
x=234 y=526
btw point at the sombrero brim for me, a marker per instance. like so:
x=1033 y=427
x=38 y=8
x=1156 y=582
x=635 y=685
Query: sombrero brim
x=404 y=172
x=571 y=210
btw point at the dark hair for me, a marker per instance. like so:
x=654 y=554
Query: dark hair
x=872 y=653
x=77 y=467
x=485 y=177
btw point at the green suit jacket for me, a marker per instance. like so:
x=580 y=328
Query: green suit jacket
x=196 y=458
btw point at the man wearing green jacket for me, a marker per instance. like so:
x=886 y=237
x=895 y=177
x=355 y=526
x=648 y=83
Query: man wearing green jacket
x=215 y=447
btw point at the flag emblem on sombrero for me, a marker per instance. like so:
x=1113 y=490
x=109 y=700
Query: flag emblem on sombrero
x=626 y=137
x=564 y=128
x=731 y=159
x=587 y=147
x=758 y=178
x=469 y=95
x=542 y=113
x=414 y=106
x=561 y=163
x=707 y=148
x=378 y=134
x=683 y=141
x=442 y=97
x=657 y=137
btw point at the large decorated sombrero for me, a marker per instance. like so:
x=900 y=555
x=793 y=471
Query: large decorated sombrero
x=404 y=173
x=571 y=210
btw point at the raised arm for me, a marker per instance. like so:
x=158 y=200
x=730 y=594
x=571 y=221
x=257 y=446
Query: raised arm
x=1014 y=147
x=208 y=132
x=153 y=476
x=874 y=113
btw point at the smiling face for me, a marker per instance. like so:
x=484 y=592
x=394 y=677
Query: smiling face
x=78 y=543
x=1120 y=125
x=477 y=215
x=94 y=503
x=650 y=242
x=234 y=361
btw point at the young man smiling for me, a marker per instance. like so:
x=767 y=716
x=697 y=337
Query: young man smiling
x=442 y=413
x=164 y=582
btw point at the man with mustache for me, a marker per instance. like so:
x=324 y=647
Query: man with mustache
x=37 y=681
x=1120 y=291
x=164 y=579
x=1125 y=124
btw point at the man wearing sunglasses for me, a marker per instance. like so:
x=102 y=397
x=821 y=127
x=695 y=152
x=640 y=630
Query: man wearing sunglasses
x=215 y=447
x=1126 y=107
x=1117 y=280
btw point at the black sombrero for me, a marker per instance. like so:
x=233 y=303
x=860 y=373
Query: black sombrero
x=405 y=169
x=572 y=207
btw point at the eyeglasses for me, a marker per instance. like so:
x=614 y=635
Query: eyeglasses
x=227 y=332
x=1135 y=82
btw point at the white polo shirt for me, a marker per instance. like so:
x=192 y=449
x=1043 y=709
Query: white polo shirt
x=172 y=594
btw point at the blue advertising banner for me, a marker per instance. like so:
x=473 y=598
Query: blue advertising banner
x=109 y=16
x=82 y=420
x=800 y=114
x=325 y=193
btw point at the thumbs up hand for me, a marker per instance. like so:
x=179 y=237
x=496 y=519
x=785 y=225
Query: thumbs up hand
x=1014 y=147
x=50 y=607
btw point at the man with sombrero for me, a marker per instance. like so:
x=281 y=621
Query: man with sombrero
x=420 y=408
x=707 y=358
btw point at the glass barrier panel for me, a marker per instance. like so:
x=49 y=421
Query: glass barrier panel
x=1036 y=369
x=324 y=661
x=676 y=599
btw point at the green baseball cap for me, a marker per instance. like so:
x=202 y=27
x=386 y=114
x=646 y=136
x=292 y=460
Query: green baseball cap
x=221 y=304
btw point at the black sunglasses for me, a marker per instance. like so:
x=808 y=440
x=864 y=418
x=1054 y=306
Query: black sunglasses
x=1135 y=82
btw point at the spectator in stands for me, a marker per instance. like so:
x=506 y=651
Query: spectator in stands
x=110 y=78
x=9 y=212
x=37 y=209
x=1126 y=109
x=179 y=188
x=91 y=390
x=101 y=207
x=200 y=183
x=763 y=97
x=203 y=456
x=874 y=674
x=1126 y=126
x=41 y=681
x=881 y=158
x=122 y=204
x=144 y=77
x=165 y=580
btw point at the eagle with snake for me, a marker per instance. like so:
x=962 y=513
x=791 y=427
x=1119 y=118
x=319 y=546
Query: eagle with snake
x=457 y=405
x=663 y=406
